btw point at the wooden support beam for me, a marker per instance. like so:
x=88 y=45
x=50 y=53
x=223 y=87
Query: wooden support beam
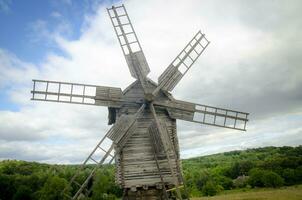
x=155 y=153
x=168 y=150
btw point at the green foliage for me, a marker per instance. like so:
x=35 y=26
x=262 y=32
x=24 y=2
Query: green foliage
x=206 y=175
x=225 y=182
x=272 y=179
x=201 y=178
x=210 y=188
x=289 y=176
x=265 y=178
x=52 y=189
x=298 y=173
x=23 y=193
x=239 y=168
x=104 y=187
x=7 y=188
x=256 y=178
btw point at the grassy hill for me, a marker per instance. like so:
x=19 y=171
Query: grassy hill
x=261 y=167
x=284 y=193
x=221 y=174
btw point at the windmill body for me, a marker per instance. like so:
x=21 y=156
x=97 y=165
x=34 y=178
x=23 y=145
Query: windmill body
x=136 y=166
x=143 y=140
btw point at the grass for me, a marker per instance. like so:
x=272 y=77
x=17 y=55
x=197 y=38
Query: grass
x=285 y=193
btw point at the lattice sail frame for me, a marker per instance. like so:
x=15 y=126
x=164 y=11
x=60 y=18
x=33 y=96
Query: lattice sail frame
x=204 y=114
x=76 y=93
x=128 y=40
x=183 y=62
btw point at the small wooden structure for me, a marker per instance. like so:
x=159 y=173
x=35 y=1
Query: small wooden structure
x=143 y=139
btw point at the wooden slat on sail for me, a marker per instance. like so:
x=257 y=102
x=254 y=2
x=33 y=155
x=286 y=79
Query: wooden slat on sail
x=76 y=93
x=128 y=40
x=204 y=114
x=182 y=63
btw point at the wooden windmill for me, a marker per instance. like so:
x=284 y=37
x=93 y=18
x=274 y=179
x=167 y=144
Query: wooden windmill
x=143 y=139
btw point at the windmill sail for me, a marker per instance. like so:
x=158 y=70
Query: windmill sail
x=204 y=114
x=75 y=93
x=128 y=40
x=101 y=154
x=182 y=63
x=124 y=128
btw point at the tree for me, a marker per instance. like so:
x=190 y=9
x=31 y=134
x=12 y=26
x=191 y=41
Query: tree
x=23 y=193
x=264 y=178
x=225 y=182
x=239 y=169
x=209 y=189
x=7 y=188
x=52 y=189
x=104 y=187
x=298 y=173
x=201 y=178
x=255 y=177
x=289 y=176
x=272 y=179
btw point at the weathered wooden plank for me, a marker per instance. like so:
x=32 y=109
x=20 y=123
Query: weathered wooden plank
x=121 y=126
x=130 y=45
x=204 y=114
x=137 y=61
x=182 y=63
x=136 y=164
x=169 y=78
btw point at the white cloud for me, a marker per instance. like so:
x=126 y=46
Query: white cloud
x=56 y=14
x=276 y=131
x=246 y=67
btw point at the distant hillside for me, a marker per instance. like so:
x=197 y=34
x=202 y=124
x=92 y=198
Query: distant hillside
x=204 y=176
x=261 y=167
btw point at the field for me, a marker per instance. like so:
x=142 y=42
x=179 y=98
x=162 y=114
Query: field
x=285 y=193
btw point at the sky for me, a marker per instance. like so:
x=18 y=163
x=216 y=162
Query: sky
x=253 y=64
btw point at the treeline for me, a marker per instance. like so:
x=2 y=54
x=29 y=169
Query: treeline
x=20 y=180
x=207 y=175
x=261 y=167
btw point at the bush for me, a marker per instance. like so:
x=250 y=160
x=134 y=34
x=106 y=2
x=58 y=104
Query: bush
x=255 y=177
x=239 y=169
x=194 y=191
x=201 y=178
x=23 y=193
x=52 y=189
x=272 y=179
x=7 y=188
x=104 y=187
x=225 y=182
x=289 y=176
x=298 y=173
x=264 y=178
x=209 y=189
